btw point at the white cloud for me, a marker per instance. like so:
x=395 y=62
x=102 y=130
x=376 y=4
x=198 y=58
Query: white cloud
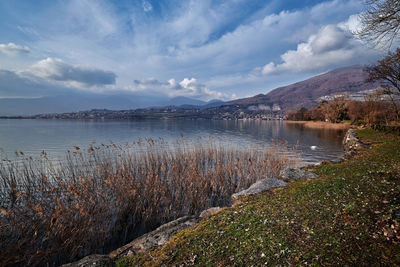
x=353 y=24
x=57 y=70
x=147 y=7
x=331 y=46
x=188 y=87
x=12 y=49
x=329 y=38
x=268 y=68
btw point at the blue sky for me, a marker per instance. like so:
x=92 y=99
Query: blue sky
x=199 y=49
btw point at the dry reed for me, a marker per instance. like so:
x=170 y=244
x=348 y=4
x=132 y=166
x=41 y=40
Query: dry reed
x=98 y=199
x=321 y=125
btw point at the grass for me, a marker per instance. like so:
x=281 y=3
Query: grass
x=348 y=217
x=101 y=198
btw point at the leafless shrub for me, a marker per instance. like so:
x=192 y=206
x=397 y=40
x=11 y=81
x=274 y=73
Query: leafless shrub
x=380 y=22
x=99 y=199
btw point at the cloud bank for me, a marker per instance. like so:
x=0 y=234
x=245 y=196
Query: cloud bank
x=187 y=87
x=56 y=69
x=15 y=85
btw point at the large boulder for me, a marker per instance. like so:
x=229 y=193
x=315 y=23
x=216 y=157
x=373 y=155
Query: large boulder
x=293 y=174
x=156 y=238
x=260 y=186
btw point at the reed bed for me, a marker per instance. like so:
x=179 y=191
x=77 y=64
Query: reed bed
x=100 y=198
x=321 y=125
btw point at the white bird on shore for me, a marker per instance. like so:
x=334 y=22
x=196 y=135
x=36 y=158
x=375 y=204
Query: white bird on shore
x=313 y=147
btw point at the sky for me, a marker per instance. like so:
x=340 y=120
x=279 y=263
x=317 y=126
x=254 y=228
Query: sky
x=199 y=49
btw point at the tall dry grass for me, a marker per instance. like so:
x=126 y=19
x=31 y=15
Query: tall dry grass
x=321 y=125
x=99 y=199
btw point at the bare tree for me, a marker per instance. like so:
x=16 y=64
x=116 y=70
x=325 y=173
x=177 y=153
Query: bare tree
x=388 y=70
x=381 y=22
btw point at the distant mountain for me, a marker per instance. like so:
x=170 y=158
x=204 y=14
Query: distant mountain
x=213 y=103
x=306 y=93
x=205 y=105
x=79 y=102
x=181 y=100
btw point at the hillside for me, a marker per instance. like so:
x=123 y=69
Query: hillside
x=305 y=93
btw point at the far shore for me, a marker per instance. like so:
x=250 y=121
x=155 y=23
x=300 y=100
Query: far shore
x=321 y=124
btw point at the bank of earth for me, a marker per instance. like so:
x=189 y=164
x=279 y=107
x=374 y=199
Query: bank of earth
x=348 y=216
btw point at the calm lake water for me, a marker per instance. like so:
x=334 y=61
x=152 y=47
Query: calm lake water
x=56 y=136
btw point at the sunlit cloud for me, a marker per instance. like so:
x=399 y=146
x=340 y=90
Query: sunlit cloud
x=331 y=46
x=57 y=70
x=12 y=49
x=188 y=87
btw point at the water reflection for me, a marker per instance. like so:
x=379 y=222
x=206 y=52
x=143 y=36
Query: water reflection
x=56 y=136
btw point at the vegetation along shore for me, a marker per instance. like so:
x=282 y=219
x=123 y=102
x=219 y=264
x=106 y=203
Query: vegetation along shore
x=99 y=199
x=348 y=216
x=320 y=124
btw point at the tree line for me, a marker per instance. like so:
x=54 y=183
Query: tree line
x=374 y=111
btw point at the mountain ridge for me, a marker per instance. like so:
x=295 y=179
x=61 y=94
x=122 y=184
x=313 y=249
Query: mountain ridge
x=351 y=79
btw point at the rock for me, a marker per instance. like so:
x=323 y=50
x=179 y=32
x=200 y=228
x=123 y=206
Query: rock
x=92 y=260
x=351 y=144
x=156 y=238
x=260 y=186
x=292 y=174
x=334 y=161
x=209 y=212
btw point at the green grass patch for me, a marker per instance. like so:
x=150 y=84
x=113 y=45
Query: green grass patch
x=350 y=216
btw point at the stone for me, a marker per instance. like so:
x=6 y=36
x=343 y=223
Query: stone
x=156 y=238
x=351 y=144
x=208 y=212
x=293 y=174
x=260 y=186
x=92 y=260
x=334 y=161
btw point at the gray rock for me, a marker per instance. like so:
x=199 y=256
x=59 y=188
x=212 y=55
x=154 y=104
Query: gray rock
x=351 y=144
x=260 y=186
x=92 y=260
x=292 y=174
x=209 y=212
x=336 y=160
x=156 y=238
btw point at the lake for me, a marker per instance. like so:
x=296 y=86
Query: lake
x=57 y=136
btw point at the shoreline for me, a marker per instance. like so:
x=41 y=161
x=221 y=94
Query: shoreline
x=296 y=223
x=160 y=236
x=320 y=124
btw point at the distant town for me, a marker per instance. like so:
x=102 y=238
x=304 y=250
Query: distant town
x=225 y=112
